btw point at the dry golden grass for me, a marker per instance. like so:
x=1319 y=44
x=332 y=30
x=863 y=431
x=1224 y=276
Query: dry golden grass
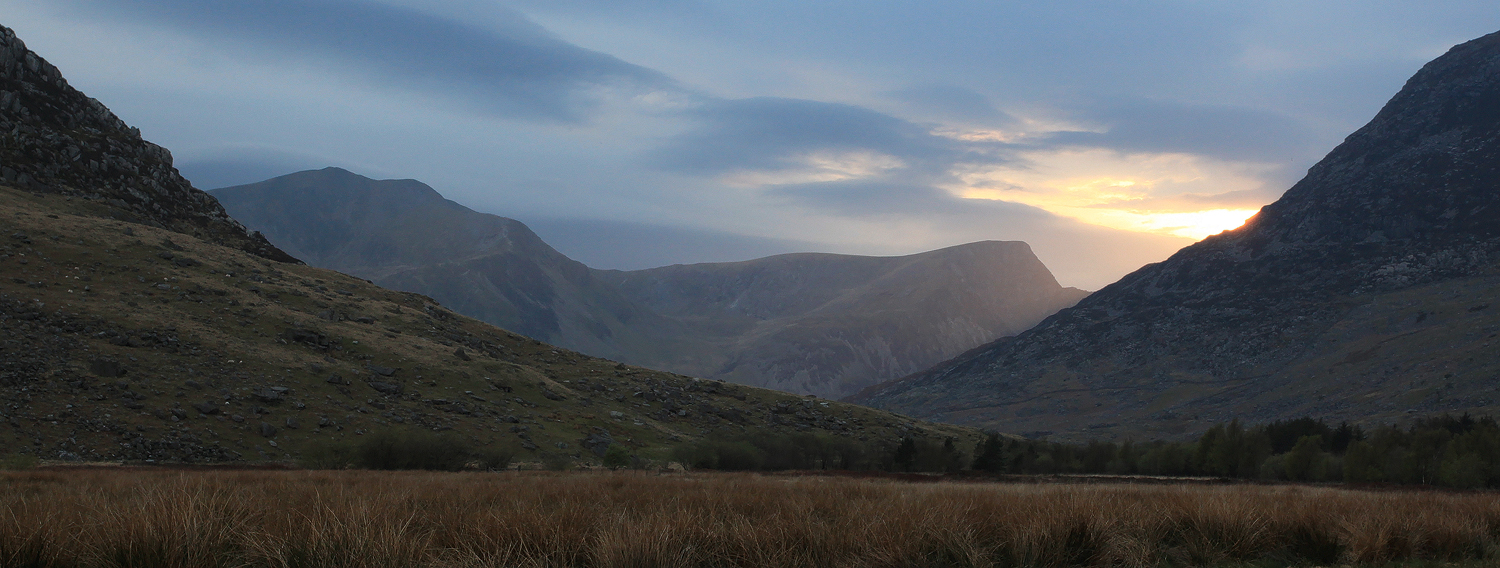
x=196 y=519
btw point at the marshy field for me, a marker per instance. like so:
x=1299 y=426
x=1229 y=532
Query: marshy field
x=165 y=518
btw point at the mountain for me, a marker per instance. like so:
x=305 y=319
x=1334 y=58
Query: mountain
x=404 y=235
x=150 y=330
x=56 y=140
x=1364 y=293
x=827 y=324
x=822 y=324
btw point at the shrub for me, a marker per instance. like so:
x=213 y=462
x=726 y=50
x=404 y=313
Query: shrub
x=491 y=458
x=405 y=450
x=391 y=450
x=806 y=450
x=616 y=457
x=717 y=454
x=12 y=462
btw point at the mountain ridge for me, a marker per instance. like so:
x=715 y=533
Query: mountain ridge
x=813 y=328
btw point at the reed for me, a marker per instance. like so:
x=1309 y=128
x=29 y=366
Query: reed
x=634 y=519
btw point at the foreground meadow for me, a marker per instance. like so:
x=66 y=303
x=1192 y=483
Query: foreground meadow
x=628 y=519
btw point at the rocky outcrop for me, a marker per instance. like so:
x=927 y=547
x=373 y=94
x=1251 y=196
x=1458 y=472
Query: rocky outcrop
x=56 y=140
x=1411 y=199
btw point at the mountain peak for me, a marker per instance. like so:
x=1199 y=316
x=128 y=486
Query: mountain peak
x=54 y=139
x=1413 y=171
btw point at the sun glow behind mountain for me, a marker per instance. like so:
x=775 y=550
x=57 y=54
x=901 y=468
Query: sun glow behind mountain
x=1171 y=194
x=1192 y=224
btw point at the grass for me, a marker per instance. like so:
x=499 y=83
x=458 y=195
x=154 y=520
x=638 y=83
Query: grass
x=632 y=519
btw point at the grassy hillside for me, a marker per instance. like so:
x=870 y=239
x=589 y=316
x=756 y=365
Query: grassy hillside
x=123 y=341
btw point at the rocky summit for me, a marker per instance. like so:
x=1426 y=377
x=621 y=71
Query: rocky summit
x=56 y=140
x=1364 y=293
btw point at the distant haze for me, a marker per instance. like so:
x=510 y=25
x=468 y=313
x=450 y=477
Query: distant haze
x=618 y=245
x=1105 y=134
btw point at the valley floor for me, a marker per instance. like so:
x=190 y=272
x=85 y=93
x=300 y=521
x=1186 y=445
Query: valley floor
x=363 y=518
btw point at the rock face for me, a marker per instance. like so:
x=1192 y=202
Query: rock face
x=1248 y=323
x=807 y=323
x=56 y=140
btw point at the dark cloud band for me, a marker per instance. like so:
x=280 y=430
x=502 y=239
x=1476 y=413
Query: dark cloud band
x=516 y=70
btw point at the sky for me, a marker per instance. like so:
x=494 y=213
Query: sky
x=639 y=133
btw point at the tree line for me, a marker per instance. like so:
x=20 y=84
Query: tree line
x=1450 y=451
x=1461 y=451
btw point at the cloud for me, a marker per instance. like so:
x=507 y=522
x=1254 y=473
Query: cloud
x=832 y=158
x=955 y=103
x=863 y=198
x=510 y=66
x=1226 y=133
x=768 y=134
x=1241 y=199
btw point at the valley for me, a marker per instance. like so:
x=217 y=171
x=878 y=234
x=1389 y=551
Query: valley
x=821 y=324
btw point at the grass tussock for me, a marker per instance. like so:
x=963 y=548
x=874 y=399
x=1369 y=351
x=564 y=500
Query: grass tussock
x=630 y=519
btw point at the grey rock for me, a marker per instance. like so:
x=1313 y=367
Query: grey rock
x=106 y=368
x=386 y=388
x=207 y=407
x=598 y=441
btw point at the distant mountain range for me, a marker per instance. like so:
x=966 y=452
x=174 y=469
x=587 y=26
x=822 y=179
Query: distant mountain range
x=140 y=322
x=821 y=324
x=1368 y=292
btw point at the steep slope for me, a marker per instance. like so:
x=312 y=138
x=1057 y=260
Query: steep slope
x=128 y=336
x=832 y=324
x=402 y=234
x=56 y=140
x=1383 y=255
